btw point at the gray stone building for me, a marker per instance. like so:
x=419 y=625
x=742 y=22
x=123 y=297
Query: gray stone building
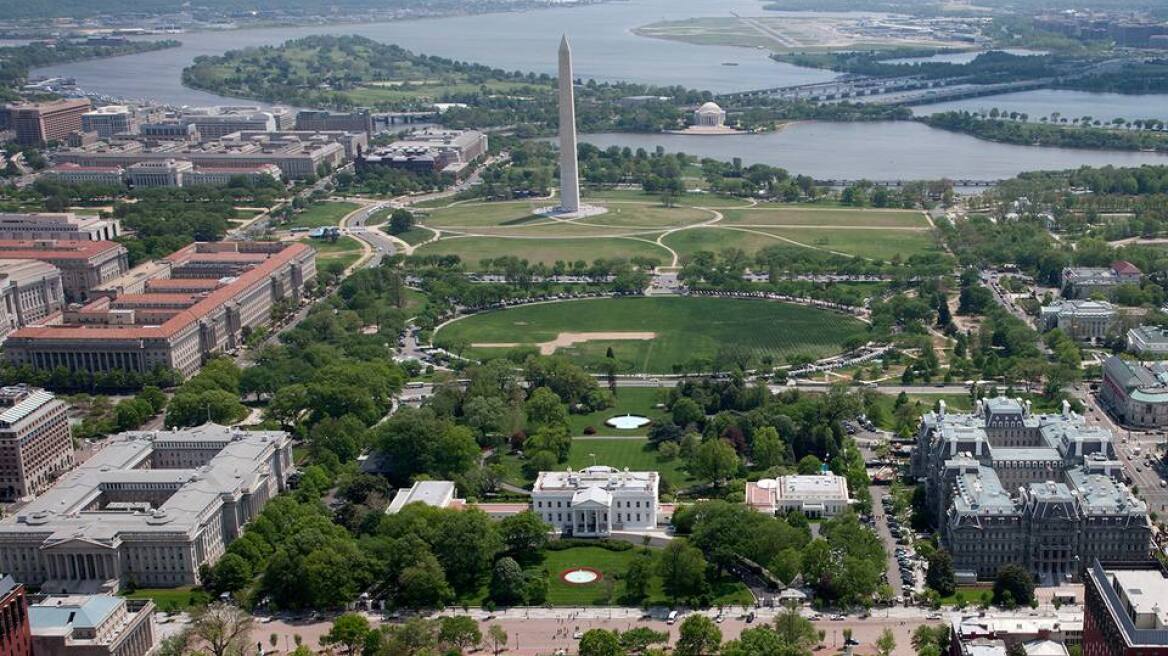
x=1005 y=485
x=151 y=507
x=1136 y=393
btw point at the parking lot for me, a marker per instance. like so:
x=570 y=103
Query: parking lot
x=904 y=572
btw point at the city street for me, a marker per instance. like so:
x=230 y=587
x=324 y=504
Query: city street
x=544 y=631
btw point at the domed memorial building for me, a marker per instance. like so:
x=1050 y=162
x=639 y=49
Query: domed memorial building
x=710 y=115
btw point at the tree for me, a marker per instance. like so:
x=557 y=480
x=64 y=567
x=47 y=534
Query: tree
x=400 y=221
x=683 y=570
x=637 y=577
x=348 y=630
x=497 y=636
x=545 y=409
x=786 y=565
x=699 y=636
x=599 y=642
x=638 y=640
x=686 y=411
x=231 y=573
x=714 y=461
x=885 y=643
x=1013 y=585
x=809 y=465
x=423 y=584
x=767 y=450
x=224 y=628
x=461 y=631
x=795 y=632
x=940 y=575
x=524 y=534
x=507 y=582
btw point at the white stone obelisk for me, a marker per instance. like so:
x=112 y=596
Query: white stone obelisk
x=569 y=173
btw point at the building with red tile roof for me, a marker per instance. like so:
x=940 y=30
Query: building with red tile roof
x=84 y=265
x=162 y=327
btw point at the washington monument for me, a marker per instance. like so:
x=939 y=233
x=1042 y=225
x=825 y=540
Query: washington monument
x=569 y=175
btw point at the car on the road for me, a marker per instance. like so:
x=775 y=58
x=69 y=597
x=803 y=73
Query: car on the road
x=838 y=618
x=933 y=616
x=816 y=617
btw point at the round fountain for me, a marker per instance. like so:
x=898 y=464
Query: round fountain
x=580 y=576
x=627 y=422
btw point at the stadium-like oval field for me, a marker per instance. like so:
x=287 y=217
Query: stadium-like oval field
x=653 y=335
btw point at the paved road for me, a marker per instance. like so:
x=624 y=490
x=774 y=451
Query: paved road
x=382 y=244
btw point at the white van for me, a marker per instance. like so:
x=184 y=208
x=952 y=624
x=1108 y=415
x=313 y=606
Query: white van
x=672 y=617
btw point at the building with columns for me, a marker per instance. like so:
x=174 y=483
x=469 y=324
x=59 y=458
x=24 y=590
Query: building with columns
x=1006 y=485
x=30 y=292
x=596 y=501
x=151 y=507
x=176 y=313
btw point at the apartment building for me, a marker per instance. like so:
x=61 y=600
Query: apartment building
x=200 y=302
x=35 y=447
x=151 y=506
x=83 y=264
x=30 y=292
x=1125 y=611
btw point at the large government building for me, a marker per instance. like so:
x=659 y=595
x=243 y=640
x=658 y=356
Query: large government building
x=151 y=507
x=1005 y=485
x=1136 y=393
x=173 y=313
x=596 y=501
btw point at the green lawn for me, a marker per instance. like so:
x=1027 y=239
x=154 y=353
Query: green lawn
x=686 y=330
x=345 y=249
x=636 y=454
x=609 y=590
x=171 y=599
x=322 y=214
x=415 y=236
x=485 y=214
x=799 y=216
x=612 y=565
x=472 y=250
x=970 y=594
x=629 y=400
x=873 y=244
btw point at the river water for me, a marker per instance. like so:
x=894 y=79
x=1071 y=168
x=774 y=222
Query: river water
x=603 y=43
x=606 y=48
x=1070 y=104
x=896 y=150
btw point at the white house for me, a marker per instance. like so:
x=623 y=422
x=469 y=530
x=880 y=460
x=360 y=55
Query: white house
x=595 y=501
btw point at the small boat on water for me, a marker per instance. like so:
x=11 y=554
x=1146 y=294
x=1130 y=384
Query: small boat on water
x=729 y=63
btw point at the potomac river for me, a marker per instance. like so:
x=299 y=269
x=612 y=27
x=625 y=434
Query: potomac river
x=607 y=49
